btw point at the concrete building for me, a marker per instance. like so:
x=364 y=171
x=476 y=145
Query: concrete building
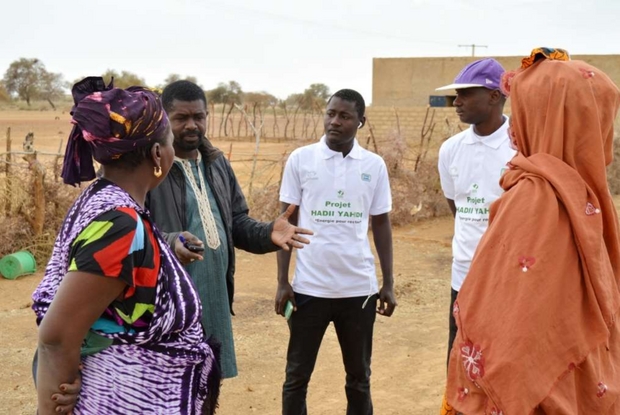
x=409 y=82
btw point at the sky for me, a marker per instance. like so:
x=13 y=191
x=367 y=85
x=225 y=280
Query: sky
x=283 y=46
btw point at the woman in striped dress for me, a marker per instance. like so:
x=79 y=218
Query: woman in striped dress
x=114 y=298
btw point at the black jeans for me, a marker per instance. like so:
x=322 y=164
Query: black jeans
x=453 y=328
x=354 y=328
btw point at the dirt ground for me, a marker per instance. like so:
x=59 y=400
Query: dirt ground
x=409 y=348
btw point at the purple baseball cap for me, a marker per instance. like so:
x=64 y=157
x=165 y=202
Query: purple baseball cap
x=486 y=73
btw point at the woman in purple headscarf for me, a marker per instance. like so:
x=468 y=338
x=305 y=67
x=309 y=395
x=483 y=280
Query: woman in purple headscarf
x=114 y=298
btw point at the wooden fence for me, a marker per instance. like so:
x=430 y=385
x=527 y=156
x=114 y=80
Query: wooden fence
x=256 y=169
x=24 y=174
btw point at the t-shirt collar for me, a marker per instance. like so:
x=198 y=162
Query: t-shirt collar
x=494 y=140
x=327 y=153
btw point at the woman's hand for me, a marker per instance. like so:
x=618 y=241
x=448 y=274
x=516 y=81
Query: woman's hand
x=68 y=396
x=80 y=300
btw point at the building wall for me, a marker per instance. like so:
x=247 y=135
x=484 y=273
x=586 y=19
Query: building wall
x=385 y=123
x=408 y=82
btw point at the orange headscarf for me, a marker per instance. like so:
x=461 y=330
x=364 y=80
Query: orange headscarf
x=537 y=330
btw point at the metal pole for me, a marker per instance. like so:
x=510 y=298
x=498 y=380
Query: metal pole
x=473 y=48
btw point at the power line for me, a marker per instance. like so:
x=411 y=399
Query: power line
x=473 y=48
x=260 y=13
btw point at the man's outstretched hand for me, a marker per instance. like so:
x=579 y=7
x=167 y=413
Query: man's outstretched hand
x=285 y=234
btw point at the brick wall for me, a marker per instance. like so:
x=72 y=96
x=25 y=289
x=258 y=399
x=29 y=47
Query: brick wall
x=408 y=82
x=385 y=121
x=411 y=119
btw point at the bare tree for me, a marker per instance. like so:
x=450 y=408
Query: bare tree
x=227 y=94
x=219 y=131
x=295 y=120
x=276 y=129
x=282 y=104
x=226 y=122
x=304 y=126
x=211 y=123
x=319 y=113
x=426 y=133
x=239 y=123
x=260 y=100
x=257 y=134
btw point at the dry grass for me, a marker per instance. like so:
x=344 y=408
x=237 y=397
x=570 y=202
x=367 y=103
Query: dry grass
x=63 y=104
x=414 y=180
x=411 y=161
x=264 y=202
x=416 y=194
x=17 y=233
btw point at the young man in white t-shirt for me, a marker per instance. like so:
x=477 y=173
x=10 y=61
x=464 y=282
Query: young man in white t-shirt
x=339 y=186
x=472 y=162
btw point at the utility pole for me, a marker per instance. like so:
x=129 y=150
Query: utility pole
x=473 y=48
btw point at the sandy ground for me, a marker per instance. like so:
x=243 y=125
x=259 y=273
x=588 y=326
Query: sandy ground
x=409 y=348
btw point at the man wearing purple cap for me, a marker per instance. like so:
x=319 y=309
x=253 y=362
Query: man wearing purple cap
x=472 y=162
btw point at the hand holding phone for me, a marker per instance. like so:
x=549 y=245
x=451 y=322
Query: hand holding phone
x=190 y=246
x=194 y=248
x=288 y=309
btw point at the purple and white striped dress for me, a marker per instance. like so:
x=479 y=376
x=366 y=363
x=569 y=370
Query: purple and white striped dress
x=169 y=368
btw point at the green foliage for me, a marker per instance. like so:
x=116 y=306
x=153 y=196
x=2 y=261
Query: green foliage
x=262 y=98
x=293 y=100
x=314 y=97
x=226 y=93
x=318 y=91
x=29 y=80
x=52 y=87
x=123 y=80
x=23 y=78
x=173 y=77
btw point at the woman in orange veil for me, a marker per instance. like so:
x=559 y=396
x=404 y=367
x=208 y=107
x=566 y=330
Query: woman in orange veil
x=537 y=315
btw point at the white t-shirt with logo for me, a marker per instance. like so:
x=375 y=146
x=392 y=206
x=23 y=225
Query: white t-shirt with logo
x=470 y=167
x=336 y=195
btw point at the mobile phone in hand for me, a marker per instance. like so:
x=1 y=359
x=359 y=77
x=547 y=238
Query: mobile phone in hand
x=194 y=248
x=288 y=310
x=190 y=246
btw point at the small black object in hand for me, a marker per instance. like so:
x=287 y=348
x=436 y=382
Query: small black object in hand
x=194 y=248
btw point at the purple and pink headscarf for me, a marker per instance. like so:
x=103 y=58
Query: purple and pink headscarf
x=109 y=122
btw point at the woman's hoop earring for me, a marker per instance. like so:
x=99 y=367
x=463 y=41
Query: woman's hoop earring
x=157 y=172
